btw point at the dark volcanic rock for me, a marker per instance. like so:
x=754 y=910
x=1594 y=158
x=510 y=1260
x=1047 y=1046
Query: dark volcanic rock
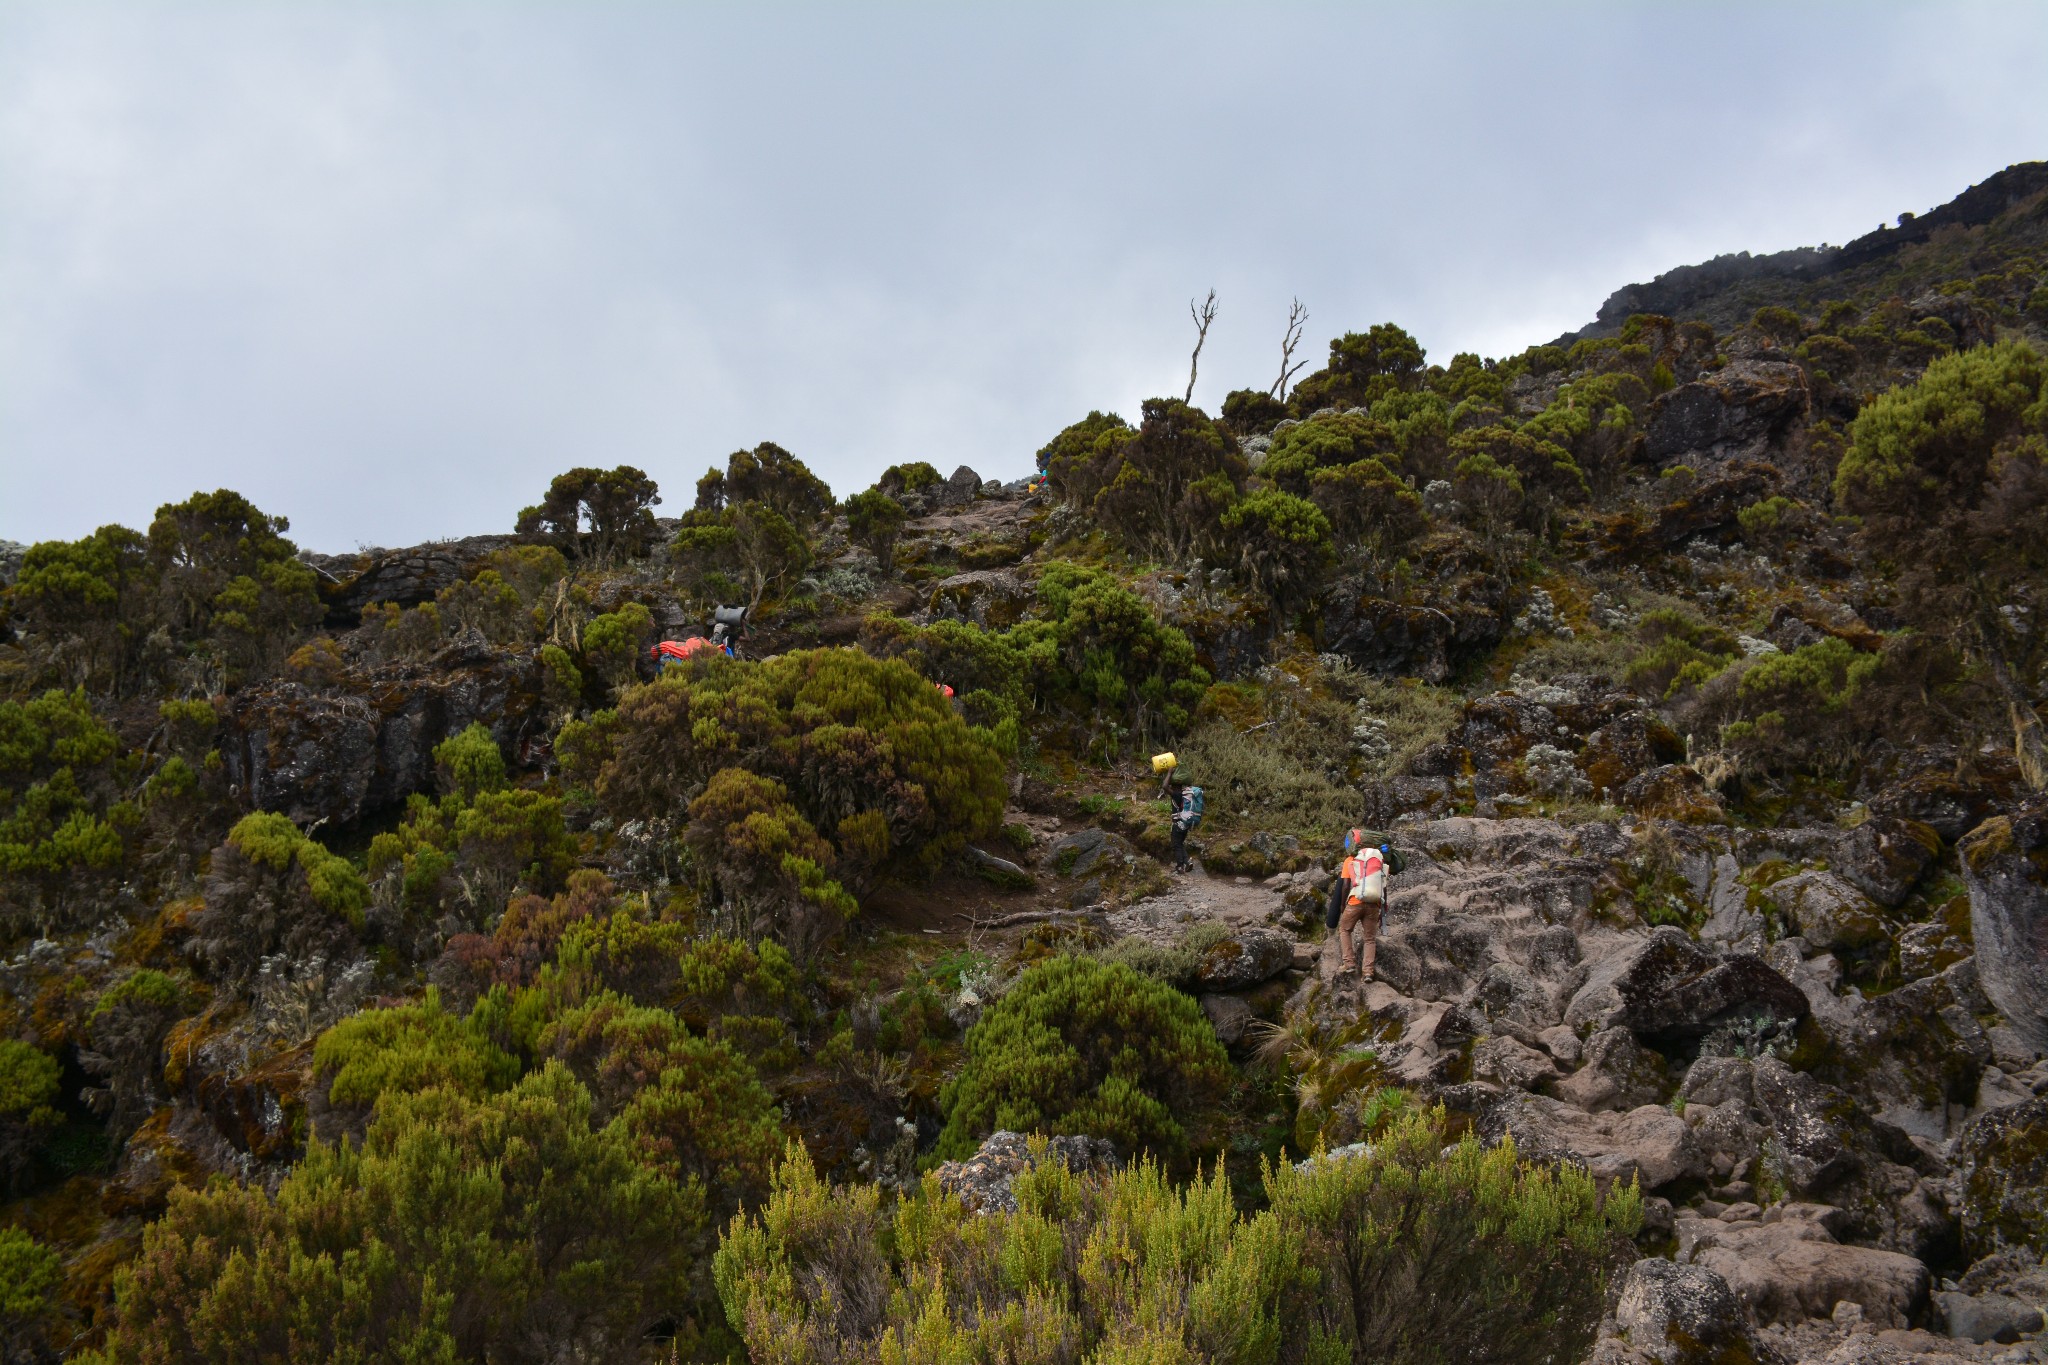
x=1885 y=857
x=1668 y=990
x=1735 y=412
x=2005 y=866
x=2002 y=1168
x=331 y=754
x=1680 y=1314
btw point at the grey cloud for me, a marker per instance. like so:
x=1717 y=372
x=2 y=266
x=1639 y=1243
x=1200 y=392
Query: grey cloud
x=386 y=269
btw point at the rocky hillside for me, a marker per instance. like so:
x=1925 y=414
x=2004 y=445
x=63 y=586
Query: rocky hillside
x=398 y=957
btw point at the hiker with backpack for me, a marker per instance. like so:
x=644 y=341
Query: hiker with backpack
x=1186 y=802
x=1358 y=899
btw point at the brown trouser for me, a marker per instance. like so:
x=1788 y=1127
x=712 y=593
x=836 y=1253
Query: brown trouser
x=1364 y=913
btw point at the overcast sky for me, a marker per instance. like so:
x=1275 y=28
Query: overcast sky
x=386 y=268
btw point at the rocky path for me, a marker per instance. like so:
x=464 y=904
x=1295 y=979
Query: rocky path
x=1823 y=1165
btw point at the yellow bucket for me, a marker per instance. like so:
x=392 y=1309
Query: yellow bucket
x=1164 y=763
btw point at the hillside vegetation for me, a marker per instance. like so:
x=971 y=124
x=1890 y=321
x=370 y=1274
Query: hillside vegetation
x=399 y=962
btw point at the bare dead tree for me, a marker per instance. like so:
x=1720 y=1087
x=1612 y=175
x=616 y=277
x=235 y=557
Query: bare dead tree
x=1297 y=318
x=1203 y=313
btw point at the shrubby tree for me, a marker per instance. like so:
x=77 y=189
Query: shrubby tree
x=744 y=549
x=1084 y=457
x=1252 y=412
x=125 y=1048
x=1170 y=480
x=1420 y=1250
x=1598 y=421
x=59 y=816
x=757 y=853
x=273 y=889
x=1370 y=506
x=1331 y=441
x=874 y=520
x=1283 y=547
x=1364 y=367
x=1084 y=1046
x=507 y=1227
x=466 y=853
x=30 y=1277
x=1545 y=476
x=85 y=607
x=228 y=578
x=1100 y=650
x=28 y=1082
x=1950 y=476
x=596 y=514
x=772 y=477
x=872 y=757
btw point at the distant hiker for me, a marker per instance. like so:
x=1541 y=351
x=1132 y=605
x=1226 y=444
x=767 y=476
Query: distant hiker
x=1359 y=897
x=1186 y=802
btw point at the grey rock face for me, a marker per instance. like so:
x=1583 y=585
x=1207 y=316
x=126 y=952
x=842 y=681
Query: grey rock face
x=1829 y=913
x=1229 y=1016
x=1986 y=1317
x=1885 y=857
x=1679 y=1314
x=985 y=1181
x=1732 y=413
x=1251 y=954
x=1618 y=1073
x=2002 y=1174
x=1792 y=1270
x=2005 y=866
x=1668 y=987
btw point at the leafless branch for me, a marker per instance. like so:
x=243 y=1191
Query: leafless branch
x=1297 y=317
x=1203 y=313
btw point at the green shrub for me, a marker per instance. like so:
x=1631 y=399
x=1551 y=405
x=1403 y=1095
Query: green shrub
x=870 y=754
x=1100 y=651
x=273 y=889
x=614 y=642
x=909 y=477
x=1416 y=1252
x=1081 y=1046
x=469 y=763
x=87 y=606
x=1363 y=367
x=408 y=1048
x=57 y=807
x=506 y=1227
x=1330 y=441
x=767 y=476
x=228 y=584
x=1282 y=544
x=28 y=1082
x=873 y=521
x=1165 y=485
x=30 y=1276
x=1248 y=412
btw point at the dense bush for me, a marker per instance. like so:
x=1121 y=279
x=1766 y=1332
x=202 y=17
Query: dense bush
x=124 y=1048
x=1282 y=544
x=1364 y=367
x=466 y=853
x=1950 y=475
x=28 y=1082
x=874 y=520
x=870 y=755
x=30 y=1276
x=214 y=591
x=768 y=476
x=1157 y=486
x=1082 y=1046
x=1416 y=1252
x=273 y=889
x=744 y=550
x=58 y=808
x=510 y=1227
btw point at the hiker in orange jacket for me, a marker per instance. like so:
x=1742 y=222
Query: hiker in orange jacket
x=1365 y=898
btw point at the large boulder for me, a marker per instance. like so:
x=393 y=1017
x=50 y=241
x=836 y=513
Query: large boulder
x=1829 y=913
x=1885 y=857
x=1736 y=412
x=2005 y=866
x=2002 y=1169
x=1986 y=1317
x=336 y=753
x=984 y=1182
x=1793 y=1270
x=1650 y=1145
x=1682 y=1314
x=1248 y=955
x=1824 y=1147
x=1617 y=1072
x=1667 y=989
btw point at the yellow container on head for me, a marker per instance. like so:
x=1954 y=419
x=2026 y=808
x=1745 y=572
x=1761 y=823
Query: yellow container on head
x=1164 y=763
